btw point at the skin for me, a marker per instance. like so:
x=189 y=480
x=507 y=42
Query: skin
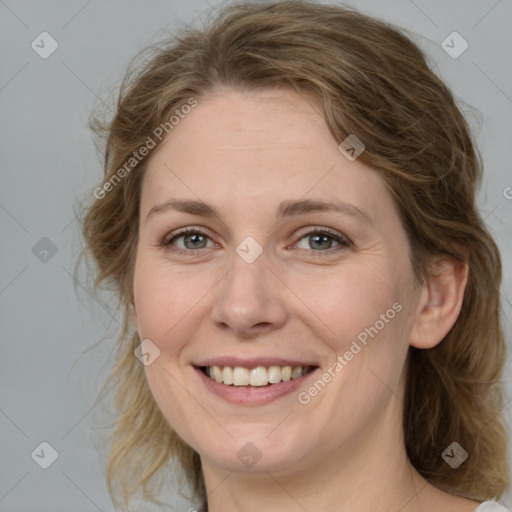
x=244 y=153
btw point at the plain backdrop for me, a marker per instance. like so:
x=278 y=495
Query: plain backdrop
x=53 y=359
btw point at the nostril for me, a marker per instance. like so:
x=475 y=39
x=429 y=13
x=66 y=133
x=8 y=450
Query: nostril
x=262 y=324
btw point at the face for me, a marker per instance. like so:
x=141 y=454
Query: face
x=268 y=282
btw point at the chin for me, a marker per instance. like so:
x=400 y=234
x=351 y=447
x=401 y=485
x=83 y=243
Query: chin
x=255 y=452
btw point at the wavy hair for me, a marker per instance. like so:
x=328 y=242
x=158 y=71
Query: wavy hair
x=372 y=81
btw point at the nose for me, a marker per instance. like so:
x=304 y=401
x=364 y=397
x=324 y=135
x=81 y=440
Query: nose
x=250 y=300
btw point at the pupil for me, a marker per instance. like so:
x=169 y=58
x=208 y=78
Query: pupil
x=317 y=237
x=196 y=237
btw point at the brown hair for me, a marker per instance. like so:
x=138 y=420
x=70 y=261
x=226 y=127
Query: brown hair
x=375 y=83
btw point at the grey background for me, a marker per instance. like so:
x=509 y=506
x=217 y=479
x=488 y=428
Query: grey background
x=50 y=371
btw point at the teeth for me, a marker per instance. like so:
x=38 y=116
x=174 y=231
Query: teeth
x=260 y=376
x=274 y=374
x=297 y=372
x=227 y=374
x=286 y=373
x=217 y=374
x=240 y=376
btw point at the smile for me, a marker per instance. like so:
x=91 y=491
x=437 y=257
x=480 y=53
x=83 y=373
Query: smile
x=257 y=377
x=253 y=382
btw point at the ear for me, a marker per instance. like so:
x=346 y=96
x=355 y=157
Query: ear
x=440 y=302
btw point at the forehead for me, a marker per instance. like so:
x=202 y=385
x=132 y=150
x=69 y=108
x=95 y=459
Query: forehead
x=258 y=147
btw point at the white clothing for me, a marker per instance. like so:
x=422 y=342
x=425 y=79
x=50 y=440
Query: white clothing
x=491 y=506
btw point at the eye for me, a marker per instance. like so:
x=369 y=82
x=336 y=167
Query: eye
x=191 y=239
x=318 y=240
x=321 y=240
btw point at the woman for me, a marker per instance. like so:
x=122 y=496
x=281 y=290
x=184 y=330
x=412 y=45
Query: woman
x=311 y=298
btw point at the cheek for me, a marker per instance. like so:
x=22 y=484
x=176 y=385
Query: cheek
x=367 y=314
x=163 y=299
x=377 y=345
x=166 y=302
x=365 y=311
x=351 y=299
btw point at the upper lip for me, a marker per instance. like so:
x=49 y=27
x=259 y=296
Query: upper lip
x=252 y=362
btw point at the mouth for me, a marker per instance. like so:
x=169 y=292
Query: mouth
x=259 y=376
x=253 y=382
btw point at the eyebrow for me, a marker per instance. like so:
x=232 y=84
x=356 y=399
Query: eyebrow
x=286 y=208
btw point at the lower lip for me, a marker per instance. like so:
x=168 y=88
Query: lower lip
x=253 y=395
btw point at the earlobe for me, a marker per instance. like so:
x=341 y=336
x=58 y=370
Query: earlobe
x=440 y=302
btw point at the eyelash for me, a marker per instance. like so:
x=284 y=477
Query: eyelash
x=340 y=239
